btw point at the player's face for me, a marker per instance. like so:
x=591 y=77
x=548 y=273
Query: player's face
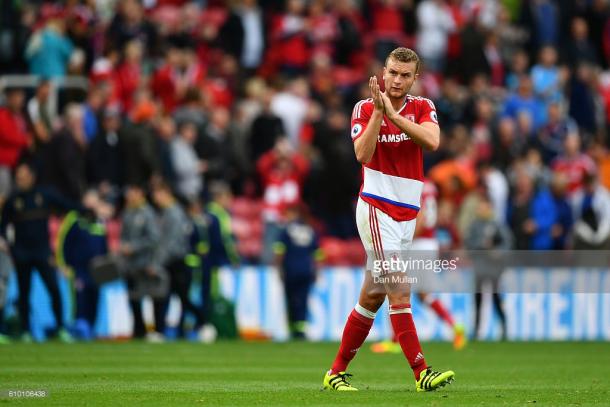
x=399 y=77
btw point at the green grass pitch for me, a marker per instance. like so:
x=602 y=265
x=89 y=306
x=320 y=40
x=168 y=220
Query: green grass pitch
x=286 y=374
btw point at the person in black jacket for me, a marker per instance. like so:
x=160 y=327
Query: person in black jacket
x=104 y=164
x=64 y=158
x=28 y=210
x=243 y=34
x=266 y=129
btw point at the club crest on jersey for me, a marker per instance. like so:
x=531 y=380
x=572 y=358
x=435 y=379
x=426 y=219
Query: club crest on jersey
x=356 y=130
x=411 y=117
x=433 y=116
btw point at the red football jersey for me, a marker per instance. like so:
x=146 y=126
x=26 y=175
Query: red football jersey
x=574 y=169
x=393 y=180
x=429 y=203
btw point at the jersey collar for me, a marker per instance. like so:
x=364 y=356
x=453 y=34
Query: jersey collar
x=404 y=105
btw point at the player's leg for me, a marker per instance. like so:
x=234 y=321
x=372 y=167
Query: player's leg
x=428 y=248
x=24 y=281
x=160 y=306
x=356 y=329
x=361 y=318
x=398 y=289
x=459 y=336
x=297 y=293
x=49 y=278
x=87 y=296
x=135 y=303
x=497 y=301
x=5 y=267
x=478 y=299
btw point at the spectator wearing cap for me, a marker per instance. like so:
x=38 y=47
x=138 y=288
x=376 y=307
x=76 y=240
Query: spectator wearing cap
x=14 y=138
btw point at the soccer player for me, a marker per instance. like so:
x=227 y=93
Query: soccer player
x=426 y=243
x=390 y=130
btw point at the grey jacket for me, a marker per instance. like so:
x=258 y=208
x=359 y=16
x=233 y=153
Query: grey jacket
x=175 y=230
x=141 y=232
x=488 y=243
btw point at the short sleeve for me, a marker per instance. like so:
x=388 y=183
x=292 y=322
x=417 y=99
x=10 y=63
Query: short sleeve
x=360 y=118
x=427 y=112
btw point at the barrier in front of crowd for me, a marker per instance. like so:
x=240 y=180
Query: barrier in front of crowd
x=572 y=305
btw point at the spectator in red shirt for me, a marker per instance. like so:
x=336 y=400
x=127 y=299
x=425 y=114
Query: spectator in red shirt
x=13 y=137
x=290 y=46
x=128 y=77
x=282 y=173
x=180 y=72
x=573 y=163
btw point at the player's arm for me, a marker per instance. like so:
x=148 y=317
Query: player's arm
x=427 y=135
x=365 y=145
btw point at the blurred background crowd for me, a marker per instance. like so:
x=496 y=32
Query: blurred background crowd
x=248 y=103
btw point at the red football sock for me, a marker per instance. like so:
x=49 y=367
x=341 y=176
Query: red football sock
x=355 y=332
x=442 y=312
x=404 y=329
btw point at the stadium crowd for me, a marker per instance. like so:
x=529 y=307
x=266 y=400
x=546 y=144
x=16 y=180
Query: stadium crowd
x=189 y=103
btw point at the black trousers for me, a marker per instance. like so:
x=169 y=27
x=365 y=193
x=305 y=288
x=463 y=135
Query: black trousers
x=24 y=280
x=206 y=291
x=297 y=293
x=159 y=310
x=497 y=304
x=1 y=319
x=87 y=298
x=180 y=284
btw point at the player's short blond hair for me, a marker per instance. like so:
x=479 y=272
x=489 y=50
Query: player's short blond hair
x=402 y=54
